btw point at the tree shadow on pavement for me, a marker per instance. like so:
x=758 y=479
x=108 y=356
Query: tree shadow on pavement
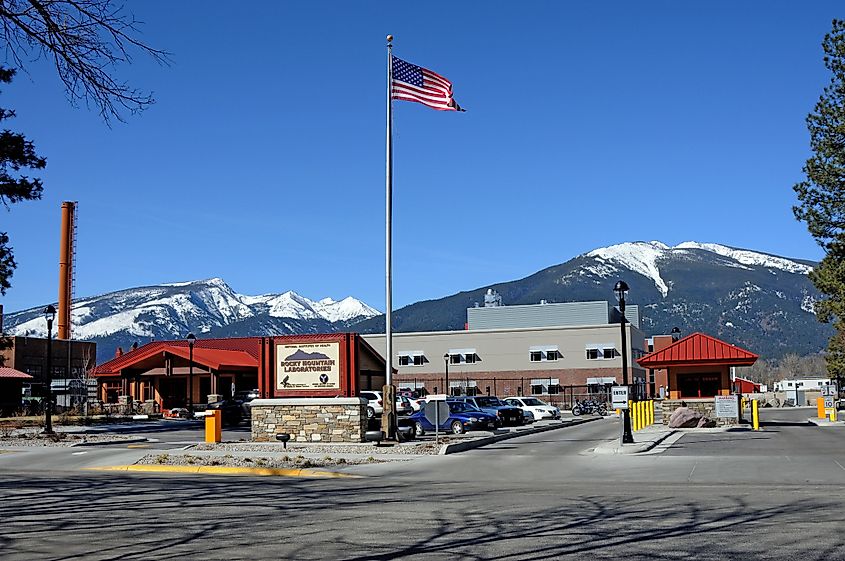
x=106 y=517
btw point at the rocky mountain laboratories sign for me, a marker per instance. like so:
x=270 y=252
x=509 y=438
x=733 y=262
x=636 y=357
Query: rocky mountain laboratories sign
x=308 y=366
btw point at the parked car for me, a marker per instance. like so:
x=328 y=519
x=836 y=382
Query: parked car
x=375 y=405
x=232 y=409
x=539 y=409
x=504 y=413
x=462 y=417
x=244 y=397
x=403 y=405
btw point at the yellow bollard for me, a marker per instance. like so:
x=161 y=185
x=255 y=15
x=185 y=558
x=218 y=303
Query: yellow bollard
x=633 y=412
x=636 y=415
x=755 y=415
x=820 y=408
x=641 y=424
x=639 y=415
x=214 y=426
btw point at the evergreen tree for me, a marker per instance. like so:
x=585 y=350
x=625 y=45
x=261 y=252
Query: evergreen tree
x=16 y=154
x=822 y=195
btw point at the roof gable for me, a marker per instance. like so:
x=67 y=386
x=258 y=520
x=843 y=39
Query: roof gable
x=698 y=348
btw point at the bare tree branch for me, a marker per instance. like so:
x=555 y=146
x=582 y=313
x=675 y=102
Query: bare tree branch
x=86 y=40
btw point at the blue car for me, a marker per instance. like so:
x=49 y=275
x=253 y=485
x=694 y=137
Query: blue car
x=462 y=417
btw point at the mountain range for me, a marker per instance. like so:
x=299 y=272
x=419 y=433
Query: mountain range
x=760 y=301
x=208 y=308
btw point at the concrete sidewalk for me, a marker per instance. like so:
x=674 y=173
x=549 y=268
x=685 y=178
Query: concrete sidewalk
x=644 y=440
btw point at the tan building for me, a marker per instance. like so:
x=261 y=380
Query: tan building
x=556 y=362
x=70 y=364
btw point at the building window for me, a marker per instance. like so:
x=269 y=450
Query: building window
x=545 y=386
x=543 y=354
x=412 y=358
x=604 y=351
x=465 y=356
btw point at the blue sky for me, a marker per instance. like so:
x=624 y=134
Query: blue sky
x=263 y=160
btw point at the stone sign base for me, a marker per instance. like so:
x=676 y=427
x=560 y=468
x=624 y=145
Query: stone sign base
x=312 y=419
x=704 y=406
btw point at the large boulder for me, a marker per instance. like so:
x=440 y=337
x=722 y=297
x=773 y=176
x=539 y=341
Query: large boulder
x=705 y=423
x=684 y=418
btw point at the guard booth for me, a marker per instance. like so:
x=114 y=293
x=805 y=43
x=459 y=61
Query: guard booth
x=698 y=369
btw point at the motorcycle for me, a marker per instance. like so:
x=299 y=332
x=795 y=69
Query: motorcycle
x=589 y=406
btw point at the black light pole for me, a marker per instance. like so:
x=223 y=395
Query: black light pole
x=621 y=290
x=49 y=315
x=191 y=340
x=446 y=360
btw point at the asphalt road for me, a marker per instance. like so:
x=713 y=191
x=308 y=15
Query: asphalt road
x=545 y=496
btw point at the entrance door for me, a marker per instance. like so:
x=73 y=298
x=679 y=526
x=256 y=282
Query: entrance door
x=699 y=385
x=173 y=391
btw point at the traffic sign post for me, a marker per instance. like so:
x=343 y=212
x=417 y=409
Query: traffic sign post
x=435 y=410
x=619 y=400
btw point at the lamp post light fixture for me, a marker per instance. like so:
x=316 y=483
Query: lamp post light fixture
x=49 y=315
x=446 y=361
x=191 y=340
x=621 y=290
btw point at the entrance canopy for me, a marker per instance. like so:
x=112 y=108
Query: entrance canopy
x=698 y=349
x=12 y=374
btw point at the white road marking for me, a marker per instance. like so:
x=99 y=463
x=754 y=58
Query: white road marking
x=689 y=477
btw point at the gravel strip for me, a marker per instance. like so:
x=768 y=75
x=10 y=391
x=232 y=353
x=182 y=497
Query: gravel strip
x=60 y=439
x=289 y=461
x=424 y=448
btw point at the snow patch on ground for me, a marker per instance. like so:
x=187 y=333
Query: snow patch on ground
x=640 y=257
x=752 y=258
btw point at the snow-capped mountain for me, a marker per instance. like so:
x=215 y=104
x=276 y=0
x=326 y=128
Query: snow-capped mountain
x=761 y=301
x=208 y=308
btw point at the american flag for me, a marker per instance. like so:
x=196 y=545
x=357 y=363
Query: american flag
x=415 y=83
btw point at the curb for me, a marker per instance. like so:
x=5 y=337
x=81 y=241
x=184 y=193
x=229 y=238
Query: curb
x=223 y=470
x=636 y=448
x=824 y=422
x=457 y=447
x=109 y=442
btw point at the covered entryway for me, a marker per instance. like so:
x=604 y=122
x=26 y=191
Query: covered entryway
x=698 y=369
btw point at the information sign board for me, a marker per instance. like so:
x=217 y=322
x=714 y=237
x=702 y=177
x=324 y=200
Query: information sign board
x=619 y=397
x=727 y=406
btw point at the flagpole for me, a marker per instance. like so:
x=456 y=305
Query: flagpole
x=388 y=265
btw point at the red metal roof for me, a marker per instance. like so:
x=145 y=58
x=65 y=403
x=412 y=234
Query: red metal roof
x=216 y=358
x=698 y=349
x=12 y=373
x=249 y=345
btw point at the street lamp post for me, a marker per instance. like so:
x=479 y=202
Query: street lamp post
x=446 y=361
x=621 y=290
x=191 y=340
x=49 y=315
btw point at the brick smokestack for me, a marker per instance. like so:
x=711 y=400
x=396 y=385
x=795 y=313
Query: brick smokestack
x=66 y=269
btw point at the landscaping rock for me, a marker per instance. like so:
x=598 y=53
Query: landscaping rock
x=684 y=418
